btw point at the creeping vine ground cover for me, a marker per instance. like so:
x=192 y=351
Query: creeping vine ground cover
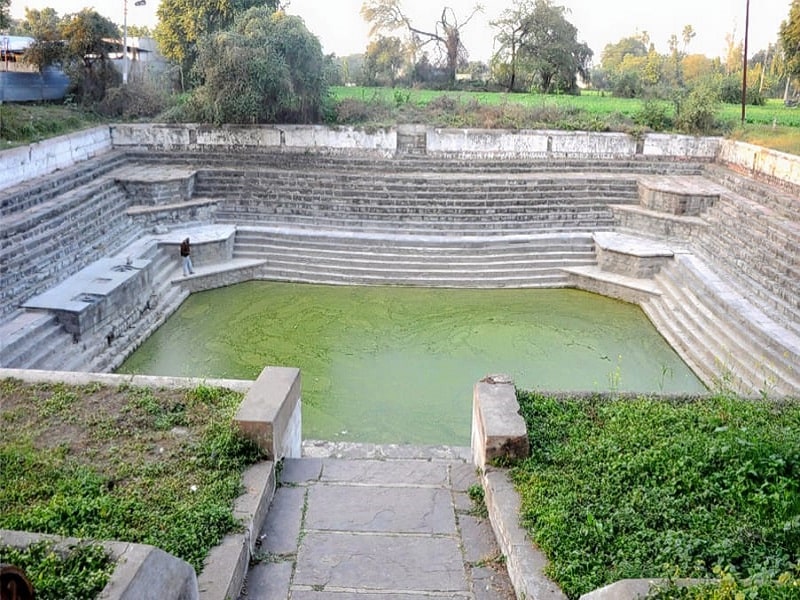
x=619 y=489
x=159 y=467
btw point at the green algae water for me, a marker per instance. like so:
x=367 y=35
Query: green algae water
x=398 y=365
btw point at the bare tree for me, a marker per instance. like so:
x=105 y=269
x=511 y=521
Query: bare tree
x=388 y=15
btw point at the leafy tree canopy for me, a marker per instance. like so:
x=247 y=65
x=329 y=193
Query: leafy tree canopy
x=5 y=16
x=790 y=39
x=181 y=24
x=266 y=68
x=547 y=48
x=86 y=54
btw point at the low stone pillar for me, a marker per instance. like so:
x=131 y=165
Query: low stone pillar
x=270 y=413
x=498 y=430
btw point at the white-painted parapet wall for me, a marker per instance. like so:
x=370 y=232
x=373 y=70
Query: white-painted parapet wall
x=761 y=163
x=498 y=143
x=41 y=158
x=299 y=138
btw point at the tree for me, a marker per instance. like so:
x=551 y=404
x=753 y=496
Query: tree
x=181 y=24
x=44 y=26
x=614 y=54
x=267 y=67
x=87 y=54
x=387 y=15
x=5 y=15
x=790 y=41
x=384 y=60
x=547 y=46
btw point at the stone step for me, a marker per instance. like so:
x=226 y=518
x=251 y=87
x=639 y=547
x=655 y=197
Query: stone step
x=310 y=275
x=295 y=160
x=24 y=336
x=43 y=261
x=747 y=344
x=783 y=201
x=448 y=205
x=556 y=224
x=726 y=297
x=29 y=194
x=669 y=327
x=454 y=255
x=75 y=203
x=714 y=343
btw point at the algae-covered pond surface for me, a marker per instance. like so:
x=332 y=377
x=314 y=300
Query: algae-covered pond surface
x=397 y=365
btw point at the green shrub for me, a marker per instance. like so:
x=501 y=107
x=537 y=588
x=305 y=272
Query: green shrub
x=653 y=114
x=81 y=573
x=696 y=113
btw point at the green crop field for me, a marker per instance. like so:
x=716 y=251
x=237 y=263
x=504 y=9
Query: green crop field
x=773 y=112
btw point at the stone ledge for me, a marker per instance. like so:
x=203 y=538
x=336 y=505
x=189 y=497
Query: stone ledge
x=524 y=561
x=498 y=430
x=137 y=210
x=270 y=415
x=226 y=566
x=630 y=255
x=613 y=285
x=631 y=589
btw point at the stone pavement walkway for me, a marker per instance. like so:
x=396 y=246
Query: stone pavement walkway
x=358 y=524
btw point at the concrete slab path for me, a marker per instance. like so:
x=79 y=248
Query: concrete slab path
x=358 y=524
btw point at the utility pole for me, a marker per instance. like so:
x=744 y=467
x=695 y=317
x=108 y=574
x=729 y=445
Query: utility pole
x=125 y=38
x=744 y=71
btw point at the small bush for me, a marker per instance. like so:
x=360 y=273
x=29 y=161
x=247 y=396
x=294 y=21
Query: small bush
x=696 y=114
x=653 y=114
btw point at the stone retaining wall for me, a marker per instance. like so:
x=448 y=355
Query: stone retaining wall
x=41 y=158
x=761 y=163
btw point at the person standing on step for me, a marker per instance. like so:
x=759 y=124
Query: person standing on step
x=187 y=259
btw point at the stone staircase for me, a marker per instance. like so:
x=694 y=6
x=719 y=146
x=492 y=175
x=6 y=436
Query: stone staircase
x=726 y=339
x=248 y=159
x=34 y=339
x=729 y=302
x=314 y=256
x=59 y=225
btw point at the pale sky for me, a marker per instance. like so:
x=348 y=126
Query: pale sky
x=342 y=31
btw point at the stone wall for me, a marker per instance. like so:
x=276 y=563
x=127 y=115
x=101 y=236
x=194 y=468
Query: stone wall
x=761 y=163
x=299 y=138
x=41 y=158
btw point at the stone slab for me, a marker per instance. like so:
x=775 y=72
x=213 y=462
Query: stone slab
x=380 y=509
x=361 y=595
x=268 y=581
x=393 y=472
x=394 y=563
x=463 y=476
x=491 y=584
x=478 y=539
x=301 y=470
x=281 y=528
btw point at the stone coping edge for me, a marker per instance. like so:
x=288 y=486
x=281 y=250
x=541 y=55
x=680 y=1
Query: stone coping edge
x=524 y=561
x=152 y=381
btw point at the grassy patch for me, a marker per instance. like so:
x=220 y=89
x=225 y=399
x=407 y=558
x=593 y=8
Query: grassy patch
x=131 y=464
x=648 y=488
x=78 y=574
x=26 y=123
x=772 y=125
